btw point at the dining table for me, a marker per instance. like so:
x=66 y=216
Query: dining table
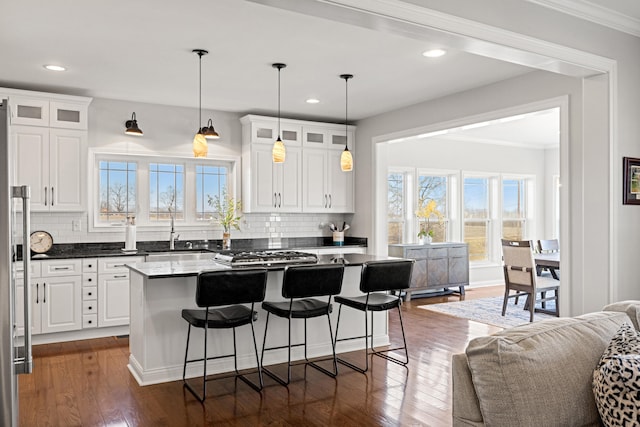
x=550 y=261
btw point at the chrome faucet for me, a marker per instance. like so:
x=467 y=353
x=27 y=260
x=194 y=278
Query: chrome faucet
x=172 y=236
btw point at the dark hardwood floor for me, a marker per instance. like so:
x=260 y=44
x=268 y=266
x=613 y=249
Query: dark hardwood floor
x=86 y=383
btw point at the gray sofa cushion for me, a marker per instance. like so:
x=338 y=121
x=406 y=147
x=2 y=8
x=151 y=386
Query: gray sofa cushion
x=540 y=374
x=631 y=307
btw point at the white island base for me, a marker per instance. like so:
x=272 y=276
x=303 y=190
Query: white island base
x=158 y=334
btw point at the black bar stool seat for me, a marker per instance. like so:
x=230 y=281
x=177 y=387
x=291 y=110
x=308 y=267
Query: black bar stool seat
x=222 y=294
x=225 y=317
x=372 y=302
x=302 y=286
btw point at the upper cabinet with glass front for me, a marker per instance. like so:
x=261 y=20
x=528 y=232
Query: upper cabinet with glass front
x=48 y=133
x=48 y=113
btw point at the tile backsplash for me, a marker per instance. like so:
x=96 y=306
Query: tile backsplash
x=72 y=227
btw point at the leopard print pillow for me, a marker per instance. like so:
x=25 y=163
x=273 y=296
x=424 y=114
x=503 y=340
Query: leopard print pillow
x=616 y=380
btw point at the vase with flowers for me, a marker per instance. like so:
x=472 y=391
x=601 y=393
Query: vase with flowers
x=426 y=211
x=226 y=212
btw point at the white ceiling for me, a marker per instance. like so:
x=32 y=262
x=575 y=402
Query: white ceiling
x=140 y=51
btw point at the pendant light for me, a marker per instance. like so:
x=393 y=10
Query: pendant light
x=278 y=153
x=209 y=132
x=200 y=148
x=346 y=159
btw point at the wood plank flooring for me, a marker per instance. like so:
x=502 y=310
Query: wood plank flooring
x=86 y=383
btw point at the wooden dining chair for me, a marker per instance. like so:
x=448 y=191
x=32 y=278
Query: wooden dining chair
x=519 y=277
x=547 y=247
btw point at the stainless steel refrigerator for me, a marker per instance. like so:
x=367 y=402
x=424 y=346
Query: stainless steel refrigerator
x=15 y=307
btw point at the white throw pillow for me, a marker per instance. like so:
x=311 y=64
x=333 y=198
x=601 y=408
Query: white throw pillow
x=616 y=380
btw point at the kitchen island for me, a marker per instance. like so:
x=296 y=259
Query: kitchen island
x=159 y=291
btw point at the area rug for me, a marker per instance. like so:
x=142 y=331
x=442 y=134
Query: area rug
x=489 y=310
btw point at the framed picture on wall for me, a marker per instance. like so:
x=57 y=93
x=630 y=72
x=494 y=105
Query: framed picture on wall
x=631 y=180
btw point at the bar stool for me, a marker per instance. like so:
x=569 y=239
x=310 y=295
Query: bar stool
x=228 y=290
x=299 y=285
x=376 y=280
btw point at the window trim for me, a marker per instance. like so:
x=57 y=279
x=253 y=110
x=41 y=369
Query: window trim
x=142 y=191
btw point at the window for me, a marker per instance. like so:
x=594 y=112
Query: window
x=153 y=189
x=434 y=187
x=117 y=190
x=514 y=209
x=396 y=207
x=477 y=217
x=211 y=181
x=166 y=191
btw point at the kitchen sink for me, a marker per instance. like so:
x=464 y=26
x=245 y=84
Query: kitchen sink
x=179 y=256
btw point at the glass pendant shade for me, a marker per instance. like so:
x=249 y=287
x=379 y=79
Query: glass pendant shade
x=200 y=148
x=278 y=153
x=346 y=161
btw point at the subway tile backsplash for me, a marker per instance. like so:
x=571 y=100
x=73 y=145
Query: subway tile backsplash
x=253 y=226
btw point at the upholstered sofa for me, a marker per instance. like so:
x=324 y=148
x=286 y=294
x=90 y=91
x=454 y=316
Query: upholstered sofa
x=539 y=374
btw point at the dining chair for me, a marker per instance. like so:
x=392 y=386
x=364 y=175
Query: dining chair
x=519 y=276
x=547 y=247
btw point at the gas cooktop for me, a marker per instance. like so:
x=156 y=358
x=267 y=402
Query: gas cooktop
x=258 y=258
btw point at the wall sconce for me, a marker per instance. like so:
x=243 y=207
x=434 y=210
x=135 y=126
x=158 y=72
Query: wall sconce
x=132 y=126
x=209 y=132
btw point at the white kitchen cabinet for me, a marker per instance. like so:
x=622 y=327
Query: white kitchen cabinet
x=35 y=111
x=19 y=307
x=276 y=187
x=52 y=163
x=113 y=290
x=325 y=187
x=328 y=136
x=60 y=304
x=310 y=179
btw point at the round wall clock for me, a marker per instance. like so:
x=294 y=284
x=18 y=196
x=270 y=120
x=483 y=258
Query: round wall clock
x=40 y=241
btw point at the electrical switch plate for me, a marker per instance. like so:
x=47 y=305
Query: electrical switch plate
x=75 y=225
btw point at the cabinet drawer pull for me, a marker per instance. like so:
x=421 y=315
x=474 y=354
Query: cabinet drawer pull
x=120 y=276
x=118 y=265
x=90 y=321
x=89 y=279
x=60 y=268
x=90 y=308
x=89 y=293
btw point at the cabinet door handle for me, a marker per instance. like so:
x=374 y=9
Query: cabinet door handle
x=51 y=196
x=37 y=293
x=325 y=200
x=275 y=200
x=45 y=196
x=119 y=276
x=330 y=203
x=279 y=200
x=44 y=293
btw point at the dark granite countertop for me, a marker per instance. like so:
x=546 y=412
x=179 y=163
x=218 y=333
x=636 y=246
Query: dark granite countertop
x=169 y=269
x=111 y=249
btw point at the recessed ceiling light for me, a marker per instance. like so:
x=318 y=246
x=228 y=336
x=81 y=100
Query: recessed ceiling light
x=434 y=53
x=312 y=101
x=55 y=67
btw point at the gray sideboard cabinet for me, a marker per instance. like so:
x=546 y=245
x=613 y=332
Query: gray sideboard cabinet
x=437 y=266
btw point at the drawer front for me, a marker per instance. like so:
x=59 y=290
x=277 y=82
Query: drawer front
x=34 y=266
x=89 y=293
x=90 y=265
x=63 y=267
x=90 y=279
x=438 y=253
x=90 y=307
x=459 y=251
x=417 y=253
x=116 y=264
x=89 y=321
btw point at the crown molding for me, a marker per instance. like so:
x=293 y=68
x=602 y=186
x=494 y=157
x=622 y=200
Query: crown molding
x=595 y=13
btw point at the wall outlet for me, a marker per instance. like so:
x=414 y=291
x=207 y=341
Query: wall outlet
x=75 y=225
